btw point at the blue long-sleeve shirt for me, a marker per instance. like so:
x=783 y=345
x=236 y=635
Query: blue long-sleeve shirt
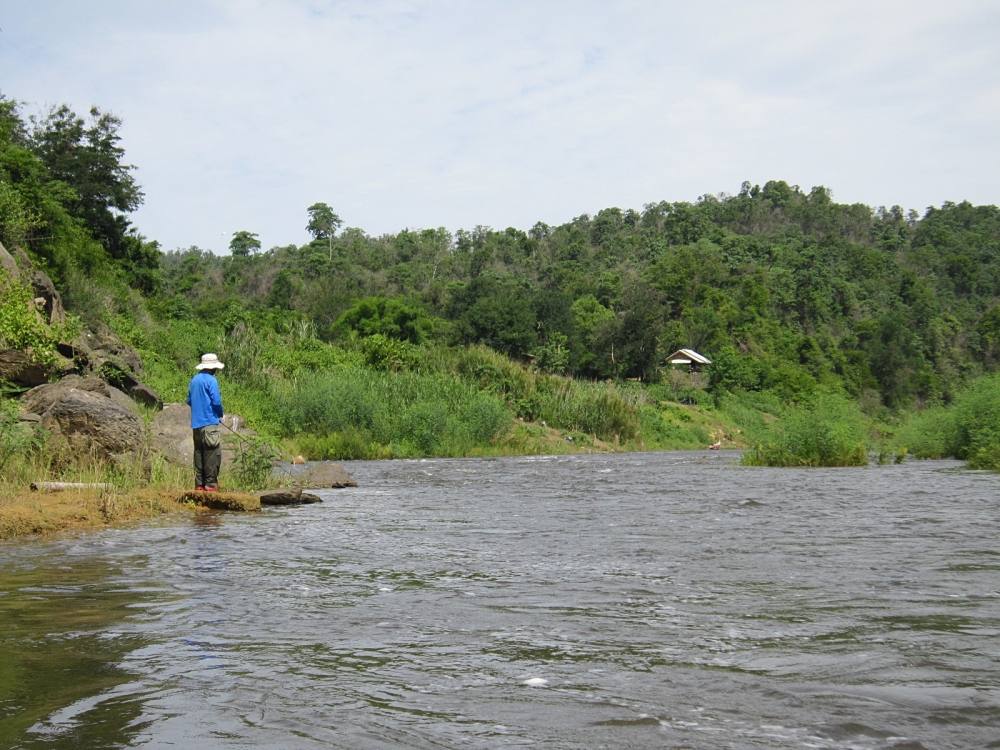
x=205 y=400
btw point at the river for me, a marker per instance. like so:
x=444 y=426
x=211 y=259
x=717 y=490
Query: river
x=659 y=600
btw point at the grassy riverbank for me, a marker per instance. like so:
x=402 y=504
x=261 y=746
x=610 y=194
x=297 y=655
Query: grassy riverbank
x=378 y=398
x=25 y=513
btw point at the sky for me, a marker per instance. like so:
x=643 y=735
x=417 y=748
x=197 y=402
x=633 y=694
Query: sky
x=239 y=114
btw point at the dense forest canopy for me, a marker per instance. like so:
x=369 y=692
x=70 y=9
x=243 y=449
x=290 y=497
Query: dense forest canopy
x=783 y=288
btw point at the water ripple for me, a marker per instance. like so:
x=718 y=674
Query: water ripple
x=642 y=600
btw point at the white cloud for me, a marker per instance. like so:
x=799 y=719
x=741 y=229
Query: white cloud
x=241 y=114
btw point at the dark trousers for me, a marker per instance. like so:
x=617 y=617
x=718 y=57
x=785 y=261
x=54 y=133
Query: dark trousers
x=207 y=455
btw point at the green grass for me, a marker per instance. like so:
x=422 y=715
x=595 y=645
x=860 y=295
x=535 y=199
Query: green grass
x=827 y=430
x=968 y=429
x=367 y=400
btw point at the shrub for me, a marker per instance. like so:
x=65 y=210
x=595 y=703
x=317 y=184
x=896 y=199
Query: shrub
x=347 y=445
x=17 y=440
x=384 y=353
x=932 y=433
x=373 y=413
x=253 y=462
x=21 y=325
x=827 y=430
x=969 y=429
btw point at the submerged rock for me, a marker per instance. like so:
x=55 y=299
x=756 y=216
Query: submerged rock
x=325 y=474
x=288 y=497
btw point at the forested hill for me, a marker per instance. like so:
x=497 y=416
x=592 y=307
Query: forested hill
x=784 y=289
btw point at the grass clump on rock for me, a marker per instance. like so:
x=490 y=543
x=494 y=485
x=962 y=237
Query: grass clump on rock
x=827 y=430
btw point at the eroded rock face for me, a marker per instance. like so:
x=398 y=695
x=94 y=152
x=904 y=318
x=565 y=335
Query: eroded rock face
x=18 y=368
x=145 y=395
x=90 y=422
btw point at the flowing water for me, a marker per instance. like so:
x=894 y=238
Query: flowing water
x=671 y=600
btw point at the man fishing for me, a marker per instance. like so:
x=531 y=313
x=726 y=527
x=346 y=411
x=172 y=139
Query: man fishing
x=205 y=400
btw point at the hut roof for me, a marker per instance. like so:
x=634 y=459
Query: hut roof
x=687 y=357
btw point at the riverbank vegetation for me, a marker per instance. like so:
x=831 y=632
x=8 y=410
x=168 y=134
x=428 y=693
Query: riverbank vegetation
x=820 y=318
x=968 y=428
x=826 y=430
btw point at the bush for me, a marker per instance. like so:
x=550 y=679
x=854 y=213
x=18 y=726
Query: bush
x=17 y=440
x=599 y=410
x=969 y=429
x=932 y=433
x=827 y=430
x=21 y=325
x=362 y=413
x=252 y=466
x=347 y=445
x=384 y=353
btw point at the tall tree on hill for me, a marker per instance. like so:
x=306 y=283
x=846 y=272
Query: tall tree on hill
x=323 y=224
x=244 y=243
x=88 y=158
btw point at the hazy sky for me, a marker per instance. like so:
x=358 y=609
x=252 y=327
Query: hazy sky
x=408 y=113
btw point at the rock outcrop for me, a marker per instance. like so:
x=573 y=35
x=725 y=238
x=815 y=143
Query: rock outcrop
x=91 y=423
x=19 y=368
x=111 y=367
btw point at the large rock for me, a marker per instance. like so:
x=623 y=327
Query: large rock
x=170 y=435
x=92 y=423
x=39 y=399
x=104 y=350
x=146 y=396
x=288 y=497
x=19 y=368
x=321 y=474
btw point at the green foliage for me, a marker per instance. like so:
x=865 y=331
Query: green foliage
x=244 y=243
x=346 y=445
x=553 y=355
x=21 y=325
x=17 y=440
x=407 y=414
x=389 y=317
x=827 y=430
x=968 y=429
x=17 y=219
x=253 y=462
x=384 y=353
x=931 y=433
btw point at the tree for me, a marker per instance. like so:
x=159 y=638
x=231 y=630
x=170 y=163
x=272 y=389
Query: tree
x=323 y=224
x=88 y=158
x=244 y=243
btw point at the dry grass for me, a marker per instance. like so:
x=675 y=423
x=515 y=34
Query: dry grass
x=26 y=513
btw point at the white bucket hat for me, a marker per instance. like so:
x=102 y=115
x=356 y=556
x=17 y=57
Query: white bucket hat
x=209 y=362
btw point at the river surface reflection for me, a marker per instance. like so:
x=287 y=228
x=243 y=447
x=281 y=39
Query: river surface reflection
x=662 y=600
